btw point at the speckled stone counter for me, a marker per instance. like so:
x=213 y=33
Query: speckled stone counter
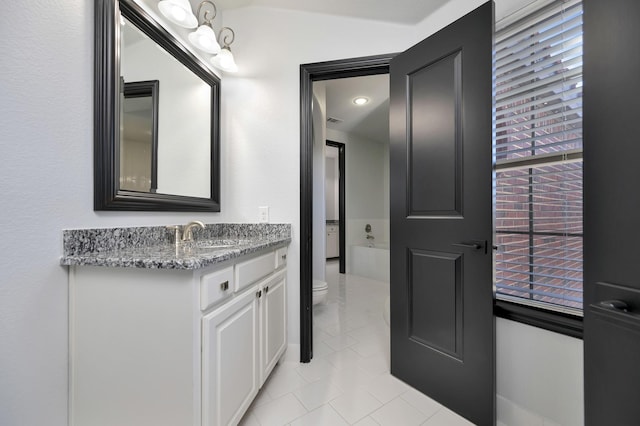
x=153 y=247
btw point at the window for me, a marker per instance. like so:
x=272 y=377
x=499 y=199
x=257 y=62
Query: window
x=538 y=159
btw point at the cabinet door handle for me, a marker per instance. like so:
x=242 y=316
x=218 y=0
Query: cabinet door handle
x=266 y=290
x=259 y=294
x=284 y=257
x=224 y=286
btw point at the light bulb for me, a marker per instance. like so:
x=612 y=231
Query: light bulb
x=179 y=12
x=224 y=60
x=204 y=38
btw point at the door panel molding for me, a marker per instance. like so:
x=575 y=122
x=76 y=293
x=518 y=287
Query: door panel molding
x=443 y=198
x=443 y=315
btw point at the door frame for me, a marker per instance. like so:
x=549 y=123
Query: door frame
x=355 y=67
x=341 y=204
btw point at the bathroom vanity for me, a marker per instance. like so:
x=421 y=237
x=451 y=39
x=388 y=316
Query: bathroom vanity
x=173 y=335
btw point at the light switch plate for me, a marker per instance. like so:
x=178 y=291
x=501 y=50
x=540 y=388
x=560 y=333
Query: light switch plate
x=263 y=214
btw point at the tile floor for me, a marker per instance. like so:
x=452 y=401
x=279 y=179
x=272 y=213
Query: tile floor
x=348 y=380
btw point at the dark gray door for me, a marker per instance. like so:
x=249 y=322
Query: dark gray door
x=612 y=212
x=442 y=324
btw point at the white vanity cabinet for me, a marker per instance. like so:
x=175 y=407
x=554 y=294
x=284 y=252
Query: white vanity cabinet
x=174 y=347
x=242 y=342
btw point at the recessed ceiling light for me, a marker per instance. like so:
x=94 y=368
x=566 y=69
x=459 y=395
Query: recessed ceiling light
x=360 y=100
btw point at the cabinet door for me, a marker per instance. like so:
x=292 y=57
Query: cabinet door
x=332 y=243
x=230 y=359
x=274 y=322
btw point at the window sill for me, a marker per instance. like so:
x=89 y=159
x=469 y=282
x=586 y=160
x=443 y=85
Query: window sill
x=569 y=325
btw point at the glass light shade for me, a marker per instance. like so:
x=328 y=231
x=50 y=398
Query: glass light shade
x=179 y=12
x=224 y=61
x=204 y=38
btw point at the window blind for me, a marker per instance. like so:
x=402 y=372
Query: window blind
x=538 y=158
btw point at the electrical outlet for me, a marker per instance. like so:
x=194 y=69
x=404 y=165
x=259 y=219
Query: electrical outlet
x=263 y=214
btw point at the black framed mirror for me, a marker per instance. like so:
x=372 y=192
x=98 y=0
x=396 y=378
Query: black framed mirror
x=181 y=171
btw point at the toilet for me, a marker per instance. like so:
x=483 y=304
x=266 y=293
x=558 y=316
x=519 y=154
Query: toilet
x=319 y=291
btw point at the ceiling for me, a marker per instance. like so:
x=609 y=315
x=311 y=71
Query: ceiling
x=407 y=12
x=370 y=121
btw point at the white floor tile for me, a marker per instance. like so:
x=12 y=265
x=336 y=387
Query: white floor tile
x=340 y=342
x=367 y=421
x=262 y=398
x=398 y=412
x=249 y=419
x=319 y=335
x=315 y=370
x=420 y=401
x=369 y=348
x=321 y=349
x=445 y=417
x=280 y=411
x=344 y=359
x=376 y=364
x=323 y=416
x=283 y=381
x=317 y=393
x=353 y=406
x=352 y=379
x=386 y=387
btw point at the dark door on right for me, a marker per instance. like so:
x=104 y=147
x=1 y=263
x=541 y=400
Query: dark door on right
x=442 y=325
x=612 y=212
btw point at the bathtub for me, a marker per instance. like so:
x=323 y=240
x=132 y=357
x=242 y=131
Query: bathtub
x=370 y=261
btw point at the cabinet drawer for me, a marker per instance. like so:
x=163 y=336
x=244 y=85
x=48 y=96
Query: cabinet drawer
x=215 y=287
x=252 y=270
x=281 y=257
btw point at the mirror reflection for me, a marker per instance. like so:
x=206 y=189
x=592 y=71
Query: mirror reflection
x=172 y=155
x=139 y=136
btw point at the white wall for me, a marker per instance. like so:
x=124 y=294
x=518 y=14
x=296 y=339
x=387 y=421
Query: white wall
x=367 y=189
x=539 y=376
x=46 y=135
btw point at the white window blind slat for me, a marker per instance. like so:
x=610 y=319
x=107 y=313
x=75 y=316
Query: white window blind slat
x=564 y=96
x=552 y=55
x=569 y=33
x=527 y=98
x=538 y=16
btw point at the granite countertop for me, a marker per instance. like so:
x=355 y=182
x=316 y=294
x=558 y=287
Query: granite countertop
x=153 y=248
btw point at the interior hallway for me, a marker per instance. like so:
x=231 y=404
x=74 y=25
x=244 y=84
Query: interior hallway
x=348 y=381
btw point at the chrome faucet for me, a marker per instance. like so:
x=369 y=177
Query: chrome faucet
x=187 y=233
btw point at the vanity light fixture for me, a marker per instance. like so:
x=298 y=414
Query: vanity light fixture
x=361 y=100
x=204 y=38
x=179 y=12
x=224 y=60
